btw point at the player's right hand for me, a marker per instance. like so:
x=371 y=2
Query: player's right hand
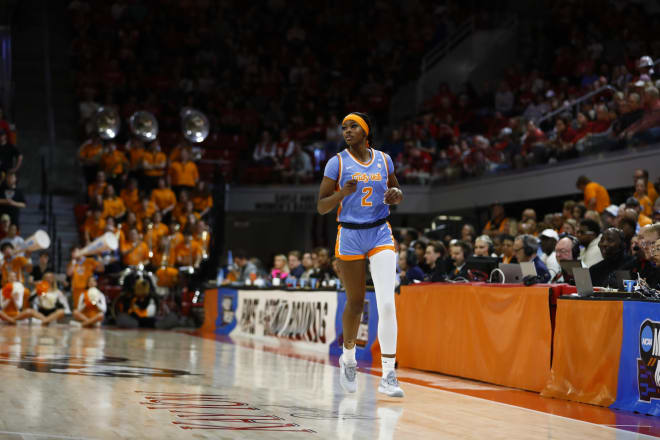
x=349 y=187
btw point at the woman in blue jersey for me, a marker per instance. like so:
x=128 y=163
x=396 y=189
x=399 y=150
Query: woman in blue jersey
x=361 y=182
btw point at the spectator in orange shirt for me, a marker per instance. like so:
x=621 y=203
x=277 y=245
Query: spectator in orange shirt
x=183 y=174
x=134 y=148
x=113 y=206
x=650 y=189
x=189 y=252
x=154 y=164
x=89 y=155
x=188 y=217
x=97 y=187
x=145 y=212
x=596 y=197
x=202 y=199
x=17 y=264
x=114 y=162
x=135 y=251
x=130 y=195
x=80 y=270
x=202 y=237
x=498 y=223
x=94 y=225
x=645 y=202
x=163 y=197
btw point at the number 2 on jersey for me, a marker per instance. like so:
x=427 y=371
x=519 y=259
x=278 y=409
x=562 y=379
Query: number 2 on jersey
x=367 y=191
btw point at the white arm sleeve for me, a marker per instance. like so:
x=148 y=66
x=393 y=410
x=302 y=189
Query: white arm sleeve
x=62 y=300
x=81 y=302
x=102 y=305
x=151 y=308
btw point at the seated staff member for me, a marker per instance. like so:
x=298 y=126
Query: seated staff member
x=91 y=306
x=459 y=251
x=48 y=302
x=11 y=301
x=13 y=263
x=526 y=248
x=135 y=251
x=80 y=270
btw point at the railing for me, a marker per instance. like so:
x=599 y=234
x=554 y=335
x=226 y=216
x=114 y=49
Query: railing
x=575 y=103
x=435 y=55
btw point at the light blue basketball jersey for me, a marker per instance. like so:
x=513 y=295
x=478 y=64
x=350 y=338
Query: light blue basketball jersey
x=366 y=204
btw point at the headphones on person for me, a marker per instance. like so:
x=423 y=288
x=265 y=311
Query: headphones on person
x=530 y=244
x=489 y=241
x=575 y=250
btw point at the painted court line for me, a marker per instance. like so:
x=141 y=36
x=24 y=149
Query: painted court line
x=54 y=436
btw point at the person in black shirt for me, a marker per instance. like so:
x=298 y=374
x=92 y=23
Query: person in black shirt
x=612 y=246
x=12 y=199
x=42 y=267
x=10 y=157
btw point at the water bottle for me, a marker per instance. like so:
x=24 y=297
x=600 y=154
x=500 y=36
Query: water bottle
x=220 y=278
x=230 y=259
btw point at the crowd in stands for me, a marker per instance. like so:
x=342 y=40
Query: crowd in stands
x=598 y=234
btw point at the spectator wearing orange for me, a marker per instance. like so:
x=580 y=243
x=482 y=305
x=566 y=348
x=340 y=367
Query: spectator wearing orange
x=596 y=197
x=202 y=236
x=135 y=251
x=154 y=164
x=89 y=156
x=189 y=252
x=17 y=264
x=129 y=223
x=113 y=162
x=645 y=202
x=80 y=270
x=94 y=225
x=157 y=230
x=167 y=275
x=633 y=204
x=145 y=212
x=188 y=217
x=13 y=300
x=113 y=206
x=163 y=197
x=650 y=189
x=91 y=305
x=202 y=199
x=498 y=223
x=134 y=148
x=97 y=187
x=130 y=195
x=183 y=173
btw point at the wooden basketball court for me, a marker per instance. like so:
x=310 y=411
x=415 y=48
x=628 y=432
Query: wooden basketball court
x=62 y=382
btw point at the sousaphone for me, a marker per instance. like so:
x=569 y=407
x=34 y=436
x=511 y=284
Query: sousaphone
x=144 y=125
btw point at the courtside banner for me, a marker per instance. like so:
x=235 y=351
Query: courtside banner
x=638 y=386
x=304 y=318
x=367 y=331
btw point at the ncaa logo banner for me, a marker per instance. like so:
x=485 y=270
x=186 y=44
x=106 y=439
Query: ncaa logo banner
x=638 y=387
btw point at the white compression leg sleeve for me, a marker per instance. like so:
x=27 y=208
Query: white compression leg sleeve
x=383 y=273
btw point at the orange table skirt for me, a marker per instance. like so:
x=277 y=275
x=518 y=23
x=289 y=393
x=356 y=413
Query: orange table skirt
x=500 y=335
x=587 y=346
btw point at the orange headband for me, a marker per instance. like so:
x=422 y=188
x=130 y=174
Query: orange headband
x=359 y=120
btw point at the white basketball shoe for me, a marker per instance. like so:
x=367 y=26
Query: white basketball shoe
x=389 y=385
x=347 y=375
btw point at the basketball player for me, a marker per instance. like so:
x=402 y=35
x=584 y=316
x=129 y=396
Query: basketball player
x=361 y=181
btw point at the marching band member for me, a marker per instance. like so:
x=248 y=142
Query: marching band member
x=113 y=206
x=202 y=236
x=11 y=301
x=49 y=303
x=167 y=275
x=146 y=211
x=94 y=225
x=81 y=270
x=202 y=199
x=135 y=251
x=91 y=305
x=188 y=253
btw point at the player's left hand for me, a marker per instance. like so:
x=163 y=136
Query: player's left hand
x=393 y=196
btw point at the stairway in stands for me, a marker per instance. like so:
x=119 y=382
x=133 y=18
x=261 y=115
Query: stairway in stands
x=32 y=219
